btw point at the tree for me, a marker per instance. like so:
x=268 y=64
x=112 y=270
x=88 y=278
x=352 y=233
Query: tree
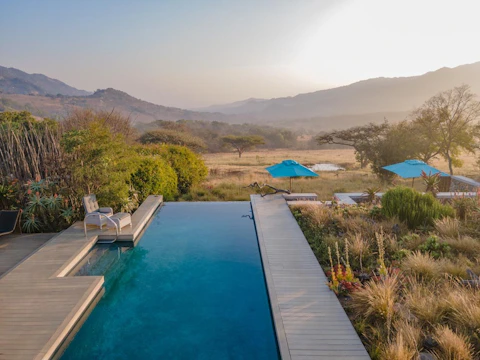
x=394 y=146
x=243 y=143
x=448 y=122
x=114 y=121
x=358 y=137
x=173 y=137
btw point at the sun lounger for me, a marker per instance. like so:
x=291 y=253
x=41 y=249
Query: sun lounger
x=103 y=216
x=8 y=221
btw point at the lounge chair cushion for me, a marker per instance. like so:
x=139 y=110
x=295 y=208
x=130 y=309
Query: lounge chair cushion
x=106 y=210
x=122 y=219
x=90 y=203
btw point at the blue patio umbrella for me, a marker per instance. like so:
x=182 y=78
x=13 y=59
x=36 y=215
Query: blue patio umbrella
x=411 y=169
x=291 y=169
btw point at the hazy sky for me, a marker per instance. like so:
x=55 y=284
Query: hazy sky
x=197 y=53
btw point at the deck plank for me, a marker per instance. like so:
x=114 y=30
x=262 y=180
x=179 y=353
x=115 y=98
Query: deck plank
x=309 y=320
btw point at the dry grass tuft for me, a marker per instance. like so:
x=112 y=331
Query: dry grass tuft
x=359 y=248
x=464 y=307
x=377 y=300
x=421 y=265
x=452 y=346
x=456 y=268
x=423 y=301
x=464 y=245
x=448 y=227
x=399 y=349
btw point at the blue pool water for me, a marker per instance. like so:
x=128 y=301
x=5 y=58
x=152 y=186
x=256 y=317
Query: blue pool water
x=193 y=288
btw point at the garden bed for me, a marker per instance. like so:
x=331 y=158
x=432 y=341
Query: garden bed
x=408 y=291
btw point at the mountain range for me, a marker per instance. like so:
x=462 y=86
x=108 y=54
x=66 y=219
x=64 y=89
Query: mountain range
x=14 y=81
x=355 y=104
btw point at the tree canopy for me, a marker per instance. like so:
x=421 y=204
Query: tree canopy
x=448 y=123
x=243 y=143
x=358 y=137
x=173 y=137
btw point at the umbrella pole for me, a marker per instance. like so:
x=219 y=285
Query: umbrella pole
x=290 y=184
x=413 y=182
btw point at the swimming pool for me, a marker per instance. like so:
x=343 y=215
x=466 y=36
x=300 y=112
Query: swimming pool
x=193 y=288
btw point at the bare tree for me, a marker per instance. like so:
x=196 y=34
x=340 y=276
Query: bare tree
x=449 y=122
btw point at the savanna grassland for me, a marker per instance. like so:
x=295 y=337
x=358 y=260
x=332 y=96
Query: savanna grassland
x=229 y=174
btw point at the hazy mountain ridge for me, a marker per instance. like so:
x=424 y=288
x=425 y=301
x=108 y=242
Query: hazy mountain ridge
x=14 y=81
x=341 y=107
x=363 y=97
x=106 y=99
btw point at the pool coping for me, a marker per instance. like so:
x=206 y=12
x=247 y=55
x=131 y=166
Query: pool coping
x=41 y=303
x=274 y=306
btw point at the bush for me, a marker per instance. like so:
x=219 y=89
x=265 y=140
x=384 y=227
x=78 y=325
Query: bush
x=414 y=208
x=99 y=162
x=435 y=248
x=188 y=166
x=154 y=177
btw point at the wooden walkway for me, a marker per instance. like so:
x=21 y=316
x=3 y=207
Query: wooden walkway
x=309 y=320
x=40 y=304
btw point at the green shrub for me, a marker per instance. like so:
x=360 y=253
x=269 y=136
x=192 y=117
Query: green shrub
x=154 y=176
x=414 y=208
x=190 y=168
x=435 y=248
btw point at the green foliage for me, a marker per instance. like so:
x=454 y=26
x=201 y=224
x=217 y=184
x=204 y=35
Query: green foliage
x=371 y=194
x=434 y=247
x=99 y=163
x=47 y=210
x=396 y=145
x=190 y=168
x=173 y=137
x=9 y=194
x=211 y=132
x=154 y=176
x=464 y=207
x=360 y=138
x=413 y=208
x=431 y=182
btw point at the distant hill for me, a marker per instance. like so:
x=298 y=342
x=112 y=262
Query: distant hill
x=338 y=108
x=14 y=81
x=365 y=97
x=107 y=99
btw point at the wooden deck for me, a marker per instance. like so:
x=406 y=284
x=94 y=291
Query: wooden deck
x=309 y=320
x=40 y=304
x=16 y=247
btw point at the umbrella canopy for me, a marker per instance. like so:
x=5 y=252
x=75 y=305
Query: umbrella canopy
x=412 y=169
x=291 y=169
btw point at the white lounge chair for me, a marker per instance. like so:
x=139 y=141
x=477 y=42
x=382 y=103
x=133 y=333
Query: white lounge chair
x=100 y=216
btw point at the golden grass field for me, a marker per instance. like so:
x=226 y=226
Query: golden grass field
x=229 y=173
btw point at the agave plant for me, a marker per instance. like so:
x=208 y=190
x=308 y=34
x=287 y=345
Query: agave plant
x=45 y=210
x=31 y=223
x=432 y=182
x=371 y=194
